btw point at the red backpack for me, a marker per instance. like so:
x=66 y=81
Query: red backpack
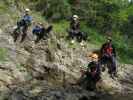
x=109 y=50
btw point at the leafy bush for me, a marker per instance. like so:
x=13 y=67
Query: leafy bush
x=54 y=9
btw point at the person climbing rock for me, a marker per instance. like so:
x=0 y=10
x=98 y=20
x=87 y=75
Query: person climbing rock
x=23 y=24
x=91 y=76
x=93 y=72
x=108 y=55
x=41 y=32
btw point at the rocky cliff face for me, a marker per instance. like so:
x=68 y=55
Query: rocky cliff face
x=45 y=70
x=40 y=71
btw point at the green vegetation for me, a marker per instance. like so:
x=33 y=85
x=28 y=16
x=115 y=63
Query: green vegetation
x=60 y=28
x=3 y=54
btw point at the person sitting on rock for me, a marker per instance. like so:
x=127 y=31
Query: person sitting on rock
x=36 y=30
x=108 y=55
x=74 y=27
x=75 y=32
x=40 y=31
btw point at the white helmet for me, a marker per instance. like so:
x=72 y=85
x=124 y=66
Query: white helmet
x=27 y=9
x=75 y=16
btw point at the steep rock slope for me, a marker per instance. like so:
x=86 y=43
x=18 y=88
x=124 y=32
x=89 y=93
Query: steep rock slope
x=43 y=71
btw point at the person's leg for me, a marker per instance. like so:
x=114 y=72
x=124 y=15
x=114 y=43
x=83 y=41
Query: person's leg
x=37 y=38
x=84 y=34
x=23 y=37
x=79 y=36
x=16 y=33
x=109 y=66
x=24 y=33
x=76 y=34
x=114 y=69
x=45 y=32
x=71 y=34
x=103 y=62
x=41 y=35
x=17 y=30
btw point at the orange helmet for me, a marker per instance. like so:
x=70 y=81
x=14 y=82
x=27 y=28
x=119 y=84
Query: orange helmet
x=93 y=55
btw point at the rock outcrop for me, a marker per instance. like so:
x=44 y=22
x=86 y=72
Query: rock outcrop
x=44 y=71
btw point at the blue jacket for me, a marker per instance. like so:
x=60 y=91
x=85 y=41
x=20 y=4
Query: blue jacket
x=27 y=18
x=36 y=30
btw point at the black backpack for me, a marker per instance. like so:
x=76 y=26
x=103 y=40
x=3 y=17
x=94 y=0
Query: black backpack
x=21 y=23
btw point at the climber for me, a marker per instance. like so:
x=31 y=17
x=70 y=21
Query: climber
x=93 y=71
x=91 y=76
x=108 y=55
x=75 y=32
x=74 y=27
x=23 y=24
x=40 y=32
x=36 y=30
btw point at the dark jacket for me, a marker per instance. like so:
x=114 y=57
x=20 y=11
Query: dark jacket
x=75 y=25
x=93 y=72
x=93 y=67
x=108 y=49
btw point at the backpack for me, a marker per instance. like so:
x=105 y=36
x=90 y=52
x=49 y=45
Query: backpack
x=109 y=50
x=21 y=23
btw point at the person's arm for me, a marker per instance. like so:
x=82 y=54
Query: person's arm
x=114 y=50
